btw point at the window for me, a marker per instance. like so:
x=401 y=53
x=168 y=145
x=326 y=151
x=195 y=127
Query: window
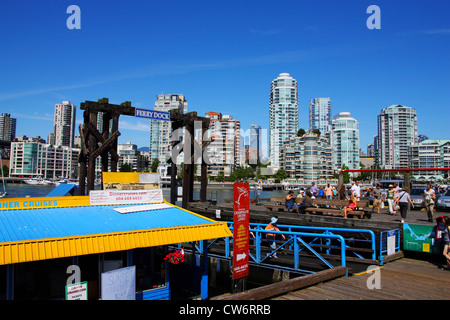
x=150 y=268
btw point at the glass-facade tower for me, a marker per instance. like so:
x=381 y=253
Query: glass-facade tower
x=345 y=141
x=397 y=131
x=320 y=114
x=283 y=114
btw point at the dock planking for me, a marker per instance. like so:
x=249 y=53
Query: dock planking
x=404 y=279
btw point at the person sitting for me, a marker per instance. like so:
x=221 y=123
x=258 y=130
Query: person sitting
x=306 y=203
x=351 y=205
x=290 y=201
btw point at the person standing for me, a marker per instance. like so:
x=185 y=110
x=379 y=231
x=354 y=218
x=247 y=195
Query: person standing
x=390 y=196
x=403 y=199
x=429 y=196
x=314 y=189
x=329 y=192
x=356 y=188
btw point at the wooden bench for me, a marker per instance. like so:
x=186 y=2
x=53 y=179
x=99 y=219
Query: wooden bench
x=334 y=206
x=278 y=204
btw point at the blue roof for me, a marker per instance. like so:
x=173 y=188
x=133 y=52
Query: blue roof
x=31 y=224
x=63 y=189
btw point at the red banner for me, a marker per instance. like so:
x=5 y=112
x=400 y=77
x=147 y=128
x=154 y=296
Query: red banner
x=240 y=230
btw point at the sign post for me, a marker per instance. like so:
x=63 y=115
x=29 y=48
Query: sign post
x=241 y=230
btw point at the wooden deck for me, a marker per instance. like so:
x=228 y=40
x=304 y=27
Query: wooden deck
x=404 y=279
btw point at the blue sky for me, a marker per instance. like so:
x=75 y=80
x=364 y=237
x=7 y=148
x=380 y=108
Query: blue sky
x=223 y=55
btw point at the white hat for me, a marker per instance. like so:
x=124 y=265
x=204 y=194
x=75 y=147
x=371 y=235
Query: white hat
x=273 y=220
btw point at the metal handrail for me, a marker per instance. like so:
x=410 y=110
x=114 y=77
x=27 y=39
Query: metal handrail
x=293 y=240
x=326 y=230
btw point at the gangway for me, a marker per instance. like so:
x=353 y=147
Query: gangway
x=305 y=249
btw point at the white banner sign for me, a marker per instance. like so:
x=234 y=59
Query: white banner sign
x=391 y=242
x=77 y=291
x=119 y=284
x=99 y=197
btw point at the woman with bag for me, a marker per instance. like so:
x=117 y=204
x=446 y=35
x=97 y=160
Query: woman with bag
x=403 y=199
x=429 y=196
x=390 y=195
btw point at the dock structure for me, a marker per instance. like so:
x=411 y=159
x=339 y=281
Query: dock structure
x=404 y=279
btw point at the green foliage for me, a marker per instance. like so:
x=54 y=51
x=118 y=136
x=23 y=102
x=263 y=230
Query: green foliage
x=300 y=132
x=346 y=174
x=242 y=174
x=125 y=168
x=154 y=166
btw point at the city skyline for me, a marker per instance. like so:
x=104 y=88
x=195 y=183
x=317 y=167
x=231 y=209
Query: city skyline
x=129 y=53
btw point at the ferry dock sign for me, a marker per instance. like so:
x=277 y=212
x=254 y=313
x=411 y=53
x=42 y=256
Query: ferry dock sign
x=152 y=114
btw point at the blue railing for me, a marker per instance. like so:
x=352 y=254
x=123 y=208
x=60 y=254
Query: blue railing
x=318 y=242
x=351 y=236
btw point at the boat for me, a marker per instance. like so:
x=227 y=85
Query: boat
x=34 y=181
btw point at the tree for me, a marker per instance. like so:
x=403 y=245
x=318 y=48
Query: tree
x=242 y=174
x=346 y=174
x=281 y=175
x=154 y=166
x=125 y=168
x=220 y=177
x=300 y=132
x=316 y=131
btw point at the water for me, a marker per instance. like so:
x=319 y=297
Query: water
x=21 y=190
x=214 y=192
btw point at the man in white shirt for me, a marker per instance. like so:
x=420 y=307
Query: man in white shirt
x=356 y=189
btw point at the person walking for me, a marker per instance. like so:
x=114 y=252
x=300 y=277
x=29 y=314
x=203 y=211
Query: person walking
x=378 y=198
x=390 y=196
x=429 y=196
x=446 y=240
x=403 y=199
x=271 y=237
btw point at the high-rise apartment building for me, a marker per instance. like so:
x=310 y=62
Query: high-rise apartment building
x=345 y=141
x=32 y=157
x=160 y=131
x=320 y=114
x=255 y=145
x=64 y=124
x=397 y=131
x=429 y=154
x=7 y=127
x=224 y=153
x=283 y=114
x=307 y=157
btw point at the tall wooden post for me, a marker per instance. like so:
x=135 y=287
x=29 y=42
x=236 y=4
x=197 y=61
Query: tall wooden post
x=92 y=146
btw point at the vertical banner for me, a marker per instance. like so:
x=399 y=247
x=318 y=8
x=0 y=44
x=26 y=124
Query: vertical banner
x=241 y=230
